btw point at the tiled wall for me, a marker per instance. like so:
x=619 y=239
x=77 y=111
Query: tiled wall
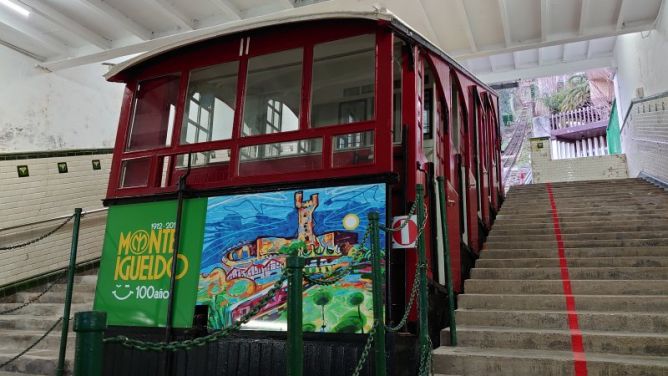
x=546 y=170
x=645 y=138
x=44 y=194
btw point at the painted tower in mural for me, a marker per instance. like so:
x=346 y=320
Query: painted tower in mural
x=305 y=211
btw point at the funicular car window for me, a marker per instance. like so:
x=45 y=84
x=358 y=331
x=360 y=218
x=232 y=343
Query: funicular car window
x=210 y=104
x=153 y=113
x=281 y=157
x=344 y=77
x=273 y=93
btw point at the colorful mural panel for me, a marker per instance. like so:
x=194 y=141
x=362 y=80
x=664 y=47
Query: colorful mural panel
x=246 y=239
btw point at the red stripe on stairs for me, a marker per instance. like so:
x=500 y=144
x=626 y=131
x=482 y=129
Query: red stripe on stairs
x=577 y=346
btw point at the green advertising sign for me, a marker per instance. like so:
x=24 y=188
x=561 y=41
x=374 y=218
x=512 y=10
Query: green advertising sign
x=135 y=267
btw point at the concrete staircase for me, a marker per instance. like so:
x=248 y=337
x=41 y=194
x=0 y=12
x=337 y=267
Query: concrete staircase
x=20 y=329
x=512 y=319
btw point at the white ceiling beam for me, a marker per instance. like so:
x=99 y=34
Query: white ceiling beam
x=183 y=21
x=620 y=15
x=540 y=56
x=229 y=10
x=589 y=50
x=21 y=50
x=103 y=8
x=547 y=70
x=48 y=42
x=629 y=28
x=563 y=53
x=505 y=23
x=464 y=18
x=544 y=20
x=491 y=63
x=429 y=24
x=584 y=13
x=54 y=16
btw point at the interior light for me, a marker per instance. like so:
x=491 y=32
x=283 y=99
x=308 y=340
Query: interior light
x=15 y=7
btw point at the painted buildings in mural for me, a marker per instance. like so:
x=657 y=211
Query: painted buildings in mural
x=325 y=229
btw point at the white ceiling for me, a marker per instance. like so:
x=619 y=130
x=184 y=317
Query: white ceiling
x=496 y=39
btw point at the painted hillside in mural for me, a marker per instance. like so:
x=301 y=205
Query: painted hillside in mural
x=247 y=237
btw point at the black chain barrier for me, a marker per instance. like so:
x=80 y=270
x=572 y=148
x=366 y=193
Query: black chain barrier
x=201 y=341
x=35 y=298
x=322 y=280
x=41 y=237
x=55 y=324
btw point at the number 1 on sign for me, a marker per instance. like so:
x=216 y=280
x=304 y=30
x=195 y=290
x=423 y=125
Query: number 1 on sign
x=405 y=233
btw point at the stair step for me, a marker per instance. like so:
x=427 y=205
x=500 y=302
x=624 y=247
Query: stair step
x=542 y=339
x=472 y=361
x=579 y=287
x=615 y=273
x=569 y=216
x=588 y=320
x=45 y=309
x=608 y=224
x=54 y=297
x=595 y=228
x=578 y=243
x=28 y=322
x=553 y=302
x=619 y=235
x=20 y=339
x=62 y=287
x=574 y=262
x=655 y=251
x=36 y=361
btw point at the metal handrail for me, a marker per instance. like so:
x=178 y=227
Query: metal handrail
x=637 y=101
x=52 y=219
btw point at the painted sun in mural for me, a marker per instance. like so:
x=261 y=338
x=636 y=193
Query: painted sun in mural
x=351 y=221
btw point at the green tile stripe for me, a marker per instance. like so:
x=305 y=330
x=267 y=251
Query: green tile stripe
x=52 y=154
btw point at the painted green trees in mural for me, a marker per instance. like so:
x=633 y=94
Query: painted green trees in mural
x=322 y=298
x=356 y=299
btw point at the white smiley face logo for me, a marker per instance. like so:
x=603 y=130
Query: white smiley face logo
x=127 y=294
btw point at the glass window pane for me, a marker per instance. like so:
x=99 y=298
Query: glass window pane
x=273 y=93
x=353 y=149
x=344 y=79
x=397 y=70
x=204 y=158
x=281 y=157
x=153 y=113
x=212 y=98
x=134 y=172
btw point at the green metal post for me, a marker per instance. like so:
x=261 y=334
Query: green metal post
x=60 y=368
x=448 y=270
x=422 y=262
x=89 y=327
x=380 y=361
x=295 y=347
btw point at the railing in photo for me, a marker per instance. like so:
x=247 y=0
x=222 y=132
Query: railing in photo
x=581 y=116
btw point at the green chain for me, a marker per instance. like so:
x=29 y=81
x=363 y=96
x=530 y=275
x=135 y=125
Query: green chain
x=426 y=367
x=411 y=302
x=200 y=341
x=367 y=349
x=411 y=212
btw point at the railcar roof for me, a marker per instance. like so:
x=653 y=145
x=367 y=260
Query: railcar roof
x=306 y=13
x=279 y=18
